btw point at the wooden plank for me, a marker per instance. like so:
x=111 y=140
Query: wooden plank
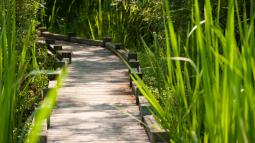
x=57 y=47
x=134 y=64
x=66 y=54
x=144 y=106
x=136 y=92
x=54 y=36
x=155 y=132
x=119 y=52
x=43 y=135
x=119 y=46
x=53 y=75
x=42 y=29
x=106 y=39
x=60 y=64
x=53 y=51
x=50 y=41
x=40 y=44
x=81 y=40
x=136 y=71
x=132 y=56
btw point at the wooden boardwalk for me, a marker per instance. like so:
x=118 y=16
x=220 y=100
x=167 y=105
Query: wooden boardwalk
x=94 y=101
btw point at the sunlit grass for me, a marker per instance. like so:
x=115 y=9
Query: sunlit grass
x=14 y=78
x=209 y=82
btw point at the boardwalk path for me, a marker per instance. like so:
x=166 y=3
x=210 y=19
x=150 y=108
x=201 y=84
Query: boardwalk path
x=94 y=100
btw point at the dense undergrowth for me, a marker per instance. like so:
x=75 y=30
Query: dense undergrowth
x=20 y=91
x=124 y=21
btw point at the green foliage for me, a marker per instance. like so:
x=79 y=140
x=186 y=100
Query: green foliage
x=125 y=21
x=20 y=92
x=210 y=80
x=44 y=110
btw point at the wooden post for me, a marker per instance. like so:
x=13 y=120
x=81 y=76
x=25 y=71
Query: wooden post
x=119 y=46
x=40 y=44
x=53 y=51
x=44 y=93
x=50 y=41
x=106 y=39
x=134 y=64
x=139 y=73
x=70 y=35
x=43 y=134
x=60 y=64
x=136 y=67
x=42 y=29
x=144 y=106
x=52 y=76
x=66 y=54
x=132 y=56
x=136 y=92
x=58 y=47
x=155 y=132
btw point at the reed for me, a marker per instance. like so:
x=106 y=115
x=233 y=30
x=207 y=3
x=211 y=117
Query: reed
x=14 y=74
x=208 y=84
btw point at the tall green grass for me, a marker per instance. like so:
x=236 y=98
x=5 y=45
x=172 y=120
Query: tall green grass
x=15 y=79
x=44 y=110
x=207 y=85
x=8 y=78
x=95 y=19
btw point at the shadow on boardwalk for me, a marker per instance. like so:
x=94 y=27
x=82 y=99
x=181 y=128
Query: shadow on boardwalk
x=94 y=100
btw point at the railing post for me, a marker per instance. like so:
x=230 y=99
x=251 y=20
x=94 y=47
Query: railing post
x=70 y=35
x=58 y=47
x=49 y=41
x=44 y=93
x=106 y=39
x=119 y=46
x=42 y=29
x=135 y=65
x=132 y=56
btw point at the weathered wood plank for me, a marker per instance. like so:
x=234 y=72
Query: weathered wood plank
x=54 y=36
x=144 y=106
x=81 y=40
x=95 y=102
x=155 y=132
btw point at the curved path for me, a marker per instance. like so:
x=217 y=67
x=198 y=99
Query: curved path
x=95 y=104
